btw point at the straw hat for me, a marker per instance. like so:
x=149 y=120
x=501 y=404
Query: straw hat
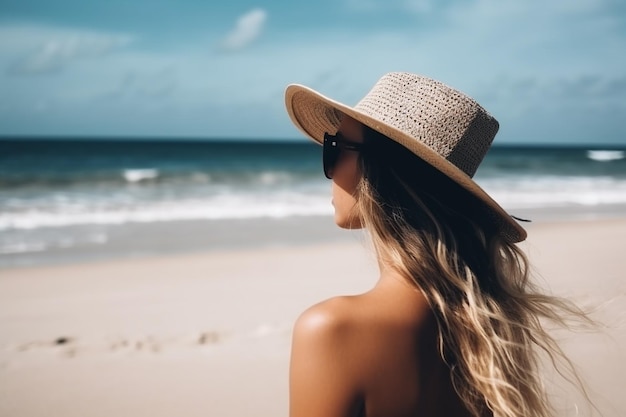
x=439 y=124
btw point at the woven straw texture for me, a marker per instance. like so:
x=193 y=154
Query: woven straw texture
x=441 y=125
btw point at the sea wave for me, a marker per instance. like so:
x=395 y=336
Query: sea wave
x=207 y=202
x=219 y=207
x=556 y=191
x=136 y=175
x=605 y=155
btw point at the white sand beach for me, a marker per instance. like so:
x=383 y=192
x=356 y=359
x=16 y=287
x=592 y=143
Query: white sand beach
x=208 y=334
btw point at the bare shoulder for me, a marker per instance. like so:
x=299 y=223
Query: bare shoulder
x=348 y=349
x=321 y=365
x=331 y=311
x=369 y=317
x=343 y=331
x=330 y=321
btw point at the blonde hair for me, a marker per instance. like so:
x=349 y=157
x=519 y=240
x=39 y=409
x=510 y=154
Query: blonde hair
x=477 y=283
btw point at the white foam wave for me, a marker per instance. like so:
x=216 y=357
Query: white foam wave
x=511 y=192
x=273 y=178
x=136 y=175
x=219 y=207
x=604 y=155
x=538 y=192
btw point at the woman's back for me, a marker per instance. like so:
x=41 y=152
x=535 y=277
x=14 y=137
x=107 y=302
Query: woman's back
x=374 y=354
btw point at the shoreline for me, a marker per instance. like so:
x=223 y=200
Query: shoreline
x=140 y=240
x=144 y=240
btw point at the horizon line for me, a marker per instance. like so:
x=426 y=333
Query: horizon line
x=264 y=140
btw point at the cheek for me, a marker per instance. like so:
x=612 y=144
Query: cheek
x=345 y=210
x=344 y=202
x=342 y=198
x=346 y=173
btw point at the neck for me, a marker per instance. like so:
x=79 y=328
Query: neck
x=390 y=276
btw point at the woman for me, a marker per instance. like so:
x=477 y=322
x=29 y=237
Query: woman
x=452 y=326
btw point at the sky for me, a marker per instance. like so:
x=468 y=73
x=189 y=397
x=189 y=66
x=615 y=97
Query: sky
x=551 y=71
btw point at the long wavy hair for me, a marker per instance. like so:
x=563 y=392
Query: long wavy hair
x=477 y=283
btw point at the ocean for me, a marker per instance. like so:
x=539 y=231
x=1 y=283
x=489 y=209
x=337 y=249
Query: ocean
x=59 y=196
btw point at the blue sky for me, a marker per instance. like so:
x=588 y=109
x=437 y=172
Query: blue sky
x=550 y=71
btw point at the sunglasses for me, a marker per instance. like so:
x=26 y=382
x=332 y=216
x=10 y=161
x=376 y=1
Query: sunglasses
x=333 y=145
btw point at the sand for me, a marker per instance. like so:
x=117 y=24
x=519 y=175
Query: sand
x=208 y=334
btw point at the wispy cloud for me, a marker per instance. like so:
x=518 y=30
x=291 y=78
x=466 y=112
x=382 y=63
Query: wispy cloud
x=45 y=50
x=247 y=29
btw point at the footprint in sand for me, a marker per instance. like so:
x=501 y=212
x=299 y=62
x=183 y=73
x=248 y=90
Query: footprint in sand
x=149 y=343
x=119 y=344
x=144 y=344
x=208 y=338
x=68 y=344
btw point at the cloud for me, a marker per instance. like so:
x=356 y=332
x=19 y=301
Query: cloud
x=51 y=50
x=248 y=29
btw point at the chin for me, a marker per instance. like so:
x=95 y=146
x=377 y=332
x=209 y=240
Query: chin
x=348 y=223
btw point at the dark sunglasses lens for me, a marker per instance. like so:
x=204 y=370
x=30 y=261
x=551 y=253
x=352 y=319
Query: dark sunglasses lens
x=329 y=155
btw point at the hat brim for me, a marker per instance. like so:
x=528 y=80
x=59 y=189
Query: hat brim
x=315 y=114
